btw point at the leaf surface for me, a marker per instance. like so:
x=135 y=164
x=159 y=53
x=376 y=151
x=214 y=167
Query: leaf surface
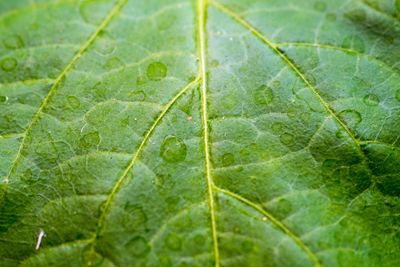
x=199 y=133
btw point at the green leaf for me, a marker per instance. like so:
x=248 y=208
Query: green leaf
x=199 y=133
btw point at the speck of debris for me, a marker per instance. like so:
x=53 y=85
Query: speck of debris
x=189 y=118
x=39 y=239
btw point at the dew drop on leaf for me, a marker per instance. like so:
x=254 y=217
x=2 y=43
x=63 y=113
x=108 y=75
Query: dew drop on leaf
x=199 y=239
x=356 y=15
x=138 y=246
x=398 y=94
x=351 y=116
x=320 y=6
x=9 y=64
x=105 y=44
x=73 y=101
x=228 y=159
x=90 y=139
x=13 y=42
x=371 y=100
x=3 y=98
x=156 y=71
x=137 y=95
x=287 y=139
x=173 y=242
x=173 y=149
x=354 y=42
x=263 y=95
x=277 y=127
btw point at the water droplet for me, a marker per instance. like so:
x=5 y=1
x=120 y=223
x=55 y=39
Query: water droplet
x=165 y=261
x=90 y=139
x=398 y=95
x=100 y=90
x=227 y=159
x=86 y=10
x=214 y=63
x=287 y=139
x=351 y=116
x=156 y=71
x=91 y=257
x=320 y=6
x=331 y=17
x=263 y=95
x=247 y=246
x=277 y=127
x=140 y=80
x=354 y=42
x=105 y=44
x=9 y=64
x=73 y=101
x=137 y=95
x=173 y=242
x=138 y=215
x=356 y=15
x=3 y=98
x=138 y=246
x=371 y=100
x=173 y=149
x=113 y=63
x=199 y=239
x=13 y=42
x=329 y=165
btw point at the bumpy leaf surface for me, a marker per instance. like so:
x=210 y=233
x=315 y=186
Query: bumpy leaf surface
x=199 y=133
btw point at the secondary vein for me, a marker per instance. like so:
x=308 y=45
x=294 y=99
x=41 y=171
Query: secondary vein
x=123 y=178
x=201 y=16
x=116 y=8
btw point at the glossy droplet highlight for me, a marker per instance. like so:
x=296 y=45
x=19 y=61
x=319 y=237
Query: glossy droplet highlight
x=105 y=44
x=351 y=116
x=13 y=42
x=9 y=64
x=354 y=42
x=138 y=246
x=371 y=100
x=156 y=71
x=3 y=98
x=397 y=95
x=320 y=6
x=137 y=95
x=173 y=242
x=356 y=15
x=263 y=95
x=277 y=127
x=227 y=159
x=73 y=101
x=287 y=139
x=90 y=139
x=173 y=149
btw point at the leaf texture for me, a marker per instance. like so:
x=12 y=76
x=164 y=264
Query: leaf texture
x=199 y=133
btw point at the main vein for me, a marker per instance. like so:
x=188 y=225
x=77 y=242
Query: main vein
x=116 y=8
x=201 y=16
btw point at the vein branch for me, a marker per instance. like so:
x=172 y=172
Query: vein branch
x=124 y=177
x=36 y=117
x=289 y=63
x=275 y=221
x=201 y=16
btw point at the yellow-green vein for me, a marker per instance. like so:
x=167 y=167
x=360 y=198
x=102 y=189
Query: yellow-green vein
x=116 y=8
x=123 y=178
x=201 y=24
x=275 y=48
x=275 y=221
